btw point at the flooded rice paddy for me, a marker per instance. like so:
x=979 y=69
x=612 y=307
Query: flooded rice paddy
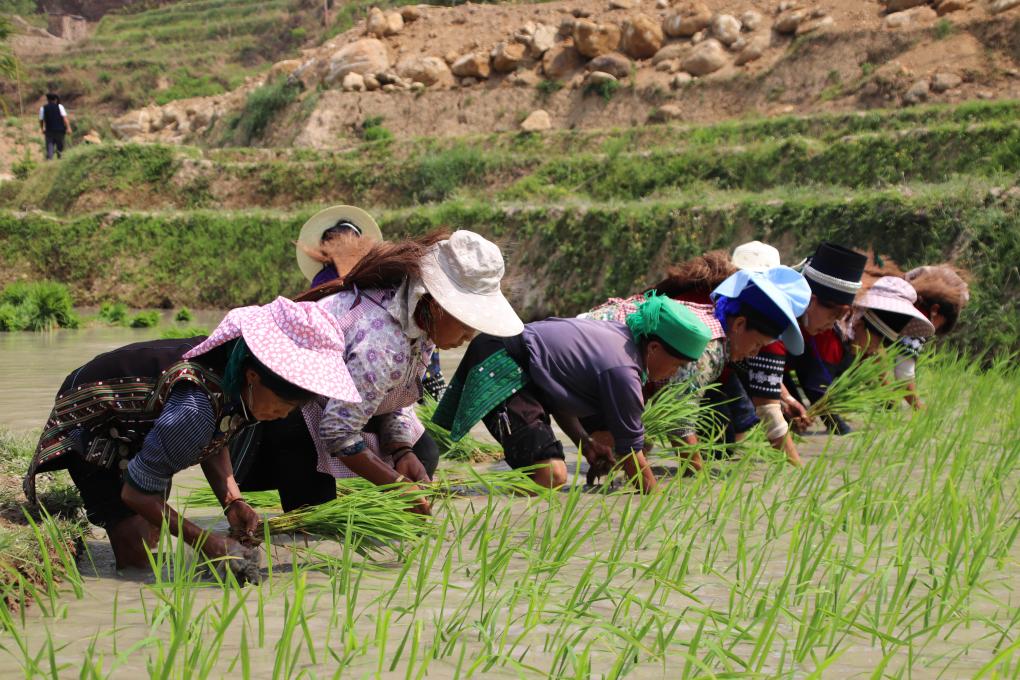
x=893 y=553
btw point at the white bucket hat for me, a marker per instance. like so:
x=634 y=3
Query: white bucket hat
x=462 y=273
x=755 y=256
x=312 y=231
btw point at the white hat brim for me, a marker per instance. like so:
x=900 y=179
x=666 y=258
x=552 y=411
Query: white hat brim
x=491 y=314
x=919 y=325
x=312 y=230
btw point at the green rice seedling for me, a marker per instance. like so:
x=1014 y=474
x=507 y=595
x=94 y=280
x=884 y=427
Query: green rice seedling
x=113 y=313
x=205 y=498
x=468 y=448
x=866 y=385
x=672 y=408
x=149 y=318
x=184 y=315
x=371 y=514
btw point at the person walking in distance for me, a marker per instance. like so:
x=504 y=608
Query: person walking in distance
x=54 y=124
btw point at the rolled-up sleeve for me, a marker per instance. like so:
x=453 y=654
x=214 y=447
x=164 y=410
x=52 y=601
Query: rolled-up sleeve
x=183 y=429
x=622 y=406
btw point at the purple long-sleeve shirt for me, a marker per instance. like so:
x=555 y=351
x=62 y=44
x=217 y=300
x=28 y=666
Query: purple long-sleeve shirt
x=588 y=367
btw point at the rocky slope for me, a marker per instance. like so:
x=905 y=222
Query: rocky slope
x=427 y=70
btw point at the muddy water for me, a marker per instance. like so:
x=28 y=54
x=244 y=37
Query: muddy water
x=118 y=613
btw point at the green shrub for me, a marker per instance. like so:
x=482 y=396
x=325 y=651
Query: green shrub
x=36 y=306
x=438 y=174
x=944 y=28
x=548 y=87
x=115 y=313
x=183 y=315
x=260 y=108
x=148 y=319
x=23 y=168
x=376 y=134
x=184 y=85
x=605 y=89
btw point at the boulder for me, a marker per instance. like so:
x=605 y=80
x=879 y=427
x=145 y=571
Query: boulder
x=725 y=28
x=941 y=82
x=542 y=40
x=473 y=65
x=506 y=57
x=600 y=77
x=900 y=5
x=537 y=121
x=380 y=23
x=753 y=50
x=688 y=21
x=592 y=39
x=813 y=25
x=283 y=68
x=567 y=27
x=613 y=63
x=367 y=55
x=410 y=13
x=425 y=70
x=947 y=6
x=1000 y=6
x=665 y=113
x=561 y=61
x=751 y=20
x=917 y=93
x=525 y=79
x=670 y=52
x=641 y=37
x=680 y=80
x=661 y=4
x=787 y=22
x=91 y=137
x=706 y=57
x=621 y=4
x=371 y=83
x=353 y=82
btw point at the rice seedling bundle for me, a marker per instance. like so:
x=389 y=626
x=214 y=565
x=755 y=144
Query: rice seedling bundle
x=866 y=385
x=375 y=513
x=467 y=448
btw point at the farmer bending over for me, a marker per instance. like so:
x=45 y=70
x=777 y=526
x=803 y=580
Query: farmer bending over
x=585 y=373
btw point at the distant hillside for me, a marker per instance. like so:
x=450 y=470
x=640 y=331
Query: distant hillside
x=152 y=52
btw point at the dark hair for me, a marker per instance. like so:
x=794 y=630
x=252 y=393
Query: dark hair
x=756 y=321
x=699 y=274
x=384 y=265
x=52 y=97
x=237 y=358
x=670 y=350
x=895 y=321
x=284 y=389
x=341 y=228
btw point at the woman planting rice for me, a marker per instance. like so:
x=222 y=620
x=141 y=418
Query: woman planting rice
x=885 y=314
x=587 y=374
x=127 y=421
x=739 y=328
x=396 y=305
x=834 y=276
x=942 y=293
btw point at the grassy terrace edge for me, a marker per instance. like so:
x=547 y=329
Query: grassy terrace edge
x=562 y=258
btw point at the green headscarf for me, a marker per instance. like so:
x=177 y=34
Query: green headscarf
x=671 y=322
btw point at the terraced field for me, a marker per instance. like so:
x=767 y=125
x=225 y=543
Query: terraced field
x=585 y=214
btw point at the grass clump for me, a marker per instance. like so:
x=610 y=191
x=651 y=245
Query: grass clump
x=260 y=108
x=183 y=315
x=148 y=318
x=36 y=306
x=437 y=174
x=604 y=88
x=113 y=313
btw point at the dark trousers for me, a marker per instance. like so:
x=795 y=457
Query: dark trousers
x=54 y=143
x=281 y=455
x=522 y=426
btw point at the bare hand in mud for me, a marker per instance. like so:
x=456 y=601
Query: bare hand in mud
x=421 y=505
x=243 y=521
x=243 y=562
x=599 y=455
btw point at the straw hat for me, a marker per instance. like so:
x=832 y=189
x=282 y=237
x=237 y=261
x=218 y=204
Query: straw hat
x=312 y=231
x=895 y=295
x=755 y=256
x=462 y=273
x=298 y=341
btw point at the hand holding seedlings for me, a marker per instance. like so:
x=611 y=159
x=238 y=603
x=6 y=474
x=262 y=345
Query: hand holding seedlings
x=243 y=520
